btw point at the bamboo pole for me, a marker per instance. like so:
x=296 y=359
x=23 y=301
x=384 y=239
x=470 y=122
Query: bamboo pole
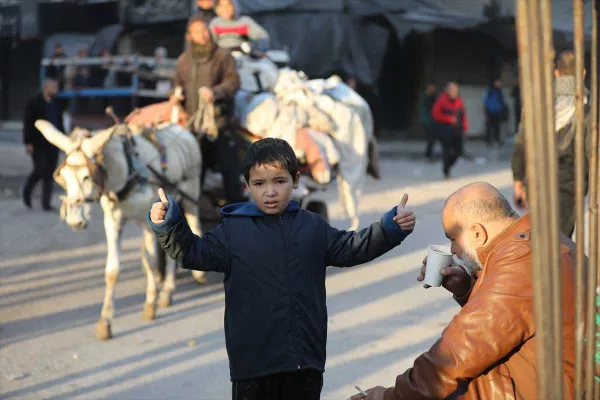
x=579 y=200
x=528 y=33
x=553 y=241
x=594 y=176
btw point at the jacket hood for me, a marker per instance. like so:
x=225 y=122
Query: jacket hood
x=250 y=209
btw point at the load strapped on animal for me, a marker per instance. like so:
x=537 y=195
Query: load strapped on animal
x=326 y=122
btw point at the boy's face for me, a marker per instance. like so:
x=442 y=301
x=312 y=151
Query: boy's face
x=271 y=188
x=225 y=9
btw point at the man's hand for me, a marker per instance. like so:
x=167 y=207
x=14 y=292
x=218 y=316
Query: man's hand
x=405 y=219
x=373 y=394
x=520 y=195
x=159 y=209
x=29 y=149
x=207 y=95
x=456 y=280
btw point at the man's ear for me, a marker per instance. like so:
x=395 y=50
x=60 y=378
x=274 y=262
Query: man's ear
x=478 y=234
x=556 y=73
x=296 y=180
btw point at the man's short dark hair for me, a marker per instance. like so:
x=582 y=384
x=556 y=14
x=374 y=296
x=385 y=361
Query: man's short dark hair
x=565 y=63
x=271 y=151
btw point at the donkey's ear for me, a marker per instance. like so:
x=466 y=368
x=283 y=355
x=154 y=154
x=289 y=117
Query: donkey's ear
x=94 y=144
x=54 y=136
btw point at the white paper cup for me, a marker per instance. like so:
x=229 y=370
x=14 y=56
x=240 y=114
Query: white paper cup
x=438 y=257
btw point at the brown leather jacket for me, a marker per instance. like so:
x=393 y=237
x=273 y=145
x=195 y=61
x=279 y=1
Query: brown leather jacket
x=488 y=349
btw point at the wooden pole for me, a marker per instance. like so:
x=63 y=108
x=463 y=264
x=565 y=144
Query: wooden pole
x=533 y=93
x=594 y=176
x=579 y=199
x=553 y=213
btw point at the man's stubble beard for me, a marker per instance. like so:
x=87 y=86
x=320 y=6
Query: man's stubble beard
x=471 y=261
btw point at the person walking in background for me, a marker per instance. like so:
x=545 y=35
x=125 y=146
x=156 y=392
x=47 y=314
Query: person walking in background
x=495 y=107
x=451 y=118
x=427 y=102
x=57 y=71
x=43 y=154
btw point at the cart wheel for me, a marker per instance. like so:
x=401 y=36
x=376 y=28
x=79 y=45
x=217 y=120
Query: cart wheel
x=318 y=207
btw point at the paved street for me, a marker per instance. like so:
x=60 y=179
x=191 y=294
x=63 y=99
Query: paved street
x=380 y=318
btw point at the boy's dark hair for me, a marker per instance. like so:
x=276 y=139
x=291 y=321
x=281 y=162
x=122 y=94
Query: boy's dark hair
x=271 y=151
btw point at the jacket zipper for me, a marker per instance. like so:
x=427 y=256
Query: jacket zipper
x=289 y=288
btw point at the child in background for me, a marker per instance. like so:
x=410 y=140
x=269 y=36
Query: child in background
x=229 y=30
x=273 y=256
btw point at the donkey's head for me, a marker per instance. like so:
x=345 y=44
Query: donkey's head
x=81 y=174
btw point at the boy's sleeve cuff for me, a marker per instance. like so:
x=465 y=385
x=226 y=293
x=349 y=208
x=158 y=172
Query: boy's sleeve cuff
x=172 y=218
x=394 y=233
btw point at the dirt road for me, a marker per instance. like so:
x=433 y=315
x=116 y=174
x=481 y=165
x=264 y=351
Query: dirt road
x=53 y=284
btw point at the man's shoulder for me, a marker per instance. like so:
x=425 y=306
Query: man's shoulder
x=182 y=58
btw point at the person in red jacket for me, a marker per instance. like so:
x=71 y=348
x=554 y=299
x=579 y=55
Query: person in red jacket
x=451 y=118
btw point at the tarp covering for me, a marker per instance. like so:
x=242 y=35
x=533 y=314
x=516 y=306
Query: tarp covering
x=346 y=37
x=357 y=7
x=350 y=37
x=302 y=111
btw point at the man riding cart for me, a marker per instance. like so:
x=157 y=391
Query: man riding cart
x=208 y=78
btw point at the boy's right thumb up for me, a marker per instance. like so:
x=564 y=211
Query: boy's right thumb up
x=163 y=197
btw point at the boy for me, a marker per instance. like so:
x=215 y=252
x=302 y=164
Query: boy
x=230 y=30
x=274 y=255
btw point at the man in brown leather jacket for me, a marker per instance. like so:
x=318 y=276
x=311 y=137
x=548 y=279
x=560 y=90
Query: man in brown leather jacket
x=488 y=350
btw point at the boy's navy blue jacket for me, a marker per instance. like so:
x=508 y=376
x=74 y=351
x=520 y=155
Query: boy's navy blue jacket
x=274 y=266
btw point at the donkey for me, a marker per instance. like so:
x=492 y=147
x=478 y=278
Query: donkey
x=112 y=167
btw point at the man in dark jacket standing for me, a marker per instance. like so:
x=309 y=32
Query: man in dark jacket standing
x=206 y=72
x=44 y=154
x=564 y=125
x=451 y=119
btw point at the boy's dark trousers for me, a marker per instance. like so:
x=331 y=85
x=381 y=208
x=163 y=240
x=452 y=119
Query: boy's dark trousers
x=301 y=385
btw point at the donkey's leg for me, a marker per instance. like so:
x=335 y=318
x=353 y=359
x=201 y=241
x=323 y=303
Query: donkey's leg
x=150 y=262
x=113 y=222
